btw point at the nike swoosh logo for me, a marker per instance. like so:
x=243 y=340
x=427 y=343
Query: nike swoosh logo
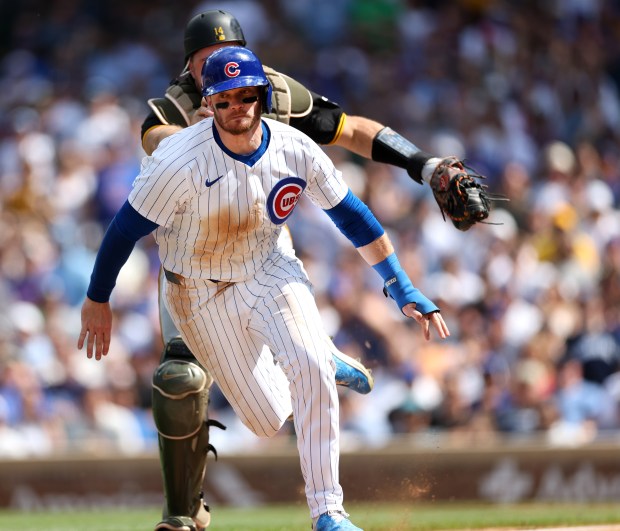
x=211 y=183
x=171 y=376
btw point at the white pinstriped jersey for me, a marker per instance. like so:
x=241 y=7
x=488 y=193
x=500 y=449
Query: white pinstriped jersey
x=220 y=214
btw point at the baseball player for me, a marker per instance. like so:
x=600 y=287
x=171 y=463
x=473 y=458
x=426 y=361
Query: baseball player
x=216 y=196
x=326 y=123
x=181 y=106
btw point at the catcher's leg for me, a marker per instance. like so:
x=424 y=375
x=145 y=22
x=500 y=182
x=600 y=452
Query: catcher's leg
x=180 y=400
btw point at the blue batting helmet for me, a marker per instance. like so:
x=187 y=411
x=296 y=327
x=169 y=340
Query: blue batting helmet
x=234 y=67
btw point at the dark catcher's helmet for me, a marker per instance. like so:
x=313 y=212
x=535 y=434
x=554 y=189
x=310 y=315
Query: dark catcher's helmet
x=234 y=67
x=209 y=28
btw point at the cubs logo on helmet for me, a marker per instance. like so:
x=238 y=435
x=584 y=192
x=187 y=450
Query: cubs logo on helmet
x=283 y=198
x=232 y=69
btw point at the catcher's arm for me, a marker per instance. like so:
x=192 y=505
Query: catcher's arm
x=391 y=148
x=357 y=135
x=455 y=186
x=154 y=135
x=157 y=132
x=373 y=140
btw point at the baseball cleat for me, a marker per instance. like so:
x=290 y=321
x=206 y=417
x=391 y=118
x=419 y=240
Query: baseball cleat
x=335 y=521
x=178 y=523
x=352 y=374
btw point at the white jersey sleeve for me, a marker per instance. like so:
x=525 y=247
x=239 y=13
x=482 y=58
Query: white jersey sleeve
x=326 y=187
x=323 y=182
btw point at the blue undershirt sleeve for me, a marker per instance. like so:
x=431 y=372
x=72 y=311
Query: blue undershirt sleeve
x=355 y=220
x=127 y=227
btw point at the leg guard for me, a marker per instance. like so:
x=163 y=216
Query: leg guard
x=180 y=400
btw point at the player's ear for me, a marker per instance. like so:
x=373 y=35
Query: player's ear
x=207 y=102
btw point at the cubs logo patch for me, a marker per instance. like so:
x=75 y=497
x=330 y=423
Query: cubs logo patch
x=231 y=69
x=283 y=197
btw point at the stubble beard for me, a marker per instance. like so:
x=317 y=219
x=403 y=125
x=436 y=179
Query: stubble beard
x=240 y=127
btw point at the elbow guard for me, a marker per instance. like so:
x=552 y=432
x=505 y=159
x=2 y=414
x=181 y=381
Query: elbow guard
x=391 y=148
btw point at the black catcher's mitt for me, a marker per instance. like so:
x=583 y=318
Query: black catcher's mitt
x=458 y=194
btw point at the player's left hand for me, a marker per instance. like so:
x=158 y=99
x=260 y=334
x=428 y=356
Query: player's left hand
x=425 y=321
x=97 y=325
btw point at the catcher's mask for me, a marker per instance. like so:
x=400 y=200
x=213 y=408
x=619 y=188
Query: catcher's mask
x=234 y=67
x=209 y=28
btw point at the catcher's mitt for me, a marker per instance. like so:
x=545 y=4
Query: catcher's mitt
x=458 y=194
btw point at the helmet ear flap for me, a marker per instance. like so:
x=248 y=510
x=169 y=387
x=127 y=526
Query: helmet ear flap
x=267 y=95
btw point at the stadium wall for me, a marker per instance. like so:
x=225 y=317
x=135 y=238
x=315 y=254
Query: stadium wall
x=395 y=473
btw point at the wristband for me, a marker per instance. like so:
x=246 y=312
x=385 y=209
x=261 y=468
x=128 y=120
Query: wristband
x=398 y=286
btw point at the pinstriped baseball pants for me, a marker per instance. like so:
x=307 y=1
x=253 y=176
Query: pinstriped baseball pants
x=237 y=331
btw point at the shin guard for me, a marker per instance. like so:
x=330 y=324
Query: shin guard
x=180 y=400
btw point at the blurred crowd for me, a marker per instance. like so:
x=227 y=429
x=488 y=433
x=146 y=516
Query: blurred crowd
x=528 y=92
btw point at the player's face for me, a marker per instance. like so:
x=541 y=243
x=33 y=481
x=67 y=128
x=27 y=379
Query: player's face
x=236 y=111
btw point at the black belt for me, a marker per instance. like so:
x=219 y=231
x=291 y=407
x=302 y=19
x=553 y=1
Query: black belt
x=177 y=279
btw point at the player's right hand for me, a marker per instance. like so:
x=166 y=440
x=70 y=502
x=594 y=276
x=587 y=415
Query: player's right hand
x=425 y=321
x=201 y=113
x=97 y=325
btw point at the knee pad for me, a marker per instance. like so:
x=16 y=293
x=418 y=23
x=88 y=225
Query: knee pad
x=180 y=398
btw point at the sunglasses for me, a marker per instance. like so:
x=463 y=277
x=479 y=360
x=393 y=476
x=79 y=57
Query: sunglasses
x=226 y=104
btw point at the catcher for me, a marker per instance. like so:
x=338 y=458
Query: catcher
x=180 y=404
